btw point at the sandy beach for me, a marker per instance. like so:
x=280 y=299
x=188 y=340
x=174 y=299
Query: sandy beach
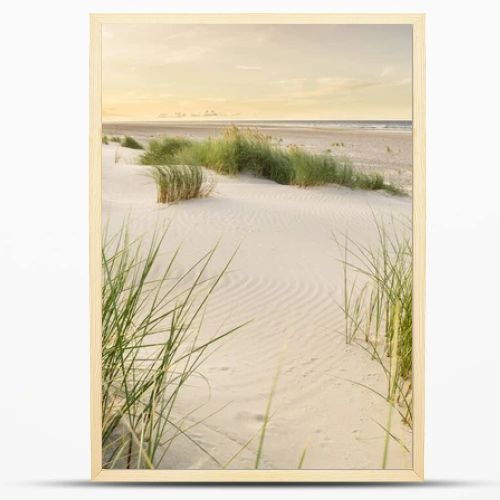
x=286 y=282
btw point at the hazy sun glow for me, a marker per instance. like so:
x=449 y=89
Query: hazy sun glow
x=336 y=72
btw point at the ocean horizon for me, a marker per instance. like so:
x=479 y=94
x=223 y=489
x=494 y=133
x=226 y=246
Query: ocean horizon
x=355 y=124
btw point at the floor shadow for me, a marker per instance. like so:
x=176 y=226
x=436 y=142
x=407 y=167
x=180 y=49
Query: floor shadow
x=430 y=484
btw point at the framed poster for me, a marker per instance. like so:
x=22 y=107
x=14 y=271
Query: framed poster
x=257 y=245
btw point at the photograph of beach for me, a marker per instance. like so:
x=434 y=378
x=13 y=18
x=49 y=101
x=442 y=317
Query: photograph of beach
x=257 y=252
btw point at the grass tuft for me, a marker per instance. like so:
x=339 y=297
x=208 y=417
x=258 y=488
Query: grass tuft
x=378 y=307
x=180 y=182
x=130 y=142
x=162 y=152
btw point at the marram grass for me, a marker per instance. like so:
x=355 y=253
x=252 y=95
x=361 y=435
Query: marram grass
x=378 y=293
x=162 y=152
x=180 y=182
x=151 y=348
x=249 y=150
x=130 y=142
x=380 y=307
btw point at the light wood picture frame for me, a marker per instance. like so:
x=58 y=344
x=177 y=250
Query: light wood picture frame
x=416 y=472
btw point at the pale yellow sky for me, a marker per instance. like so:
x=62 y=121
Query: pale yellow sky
x=308 y=72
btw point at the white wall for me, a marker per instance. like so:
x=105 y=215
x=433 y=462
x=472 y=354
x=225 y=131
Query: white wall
x=44 y=416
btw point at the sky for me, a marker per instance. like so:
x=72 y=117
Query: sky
x=238 y=72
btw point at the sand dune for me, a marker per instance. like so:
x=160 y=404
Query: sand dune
x=386 y=151
x=286 y=281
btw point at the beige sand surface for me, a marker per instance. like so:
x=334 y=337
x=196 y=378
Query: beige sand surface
x=287 y=280
x=387 y=151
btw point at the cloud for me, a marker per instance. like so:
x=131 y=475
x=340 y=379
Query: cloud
x=207 y=113
x=248 y=68
x=290 y=84
x=404 y=81
x=175 y=114
x=326 y=80
x=213 y=99
x=301 y=88
x=175 y=56
x=388 y=70
x=309 y=90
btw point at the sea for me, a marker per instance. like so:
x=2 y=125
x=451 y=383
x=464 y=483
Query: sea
x=354 y=124
x=357 y=124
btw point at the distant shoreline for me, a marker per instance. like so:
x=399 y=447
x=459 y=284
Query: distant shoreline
x=386 y=125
